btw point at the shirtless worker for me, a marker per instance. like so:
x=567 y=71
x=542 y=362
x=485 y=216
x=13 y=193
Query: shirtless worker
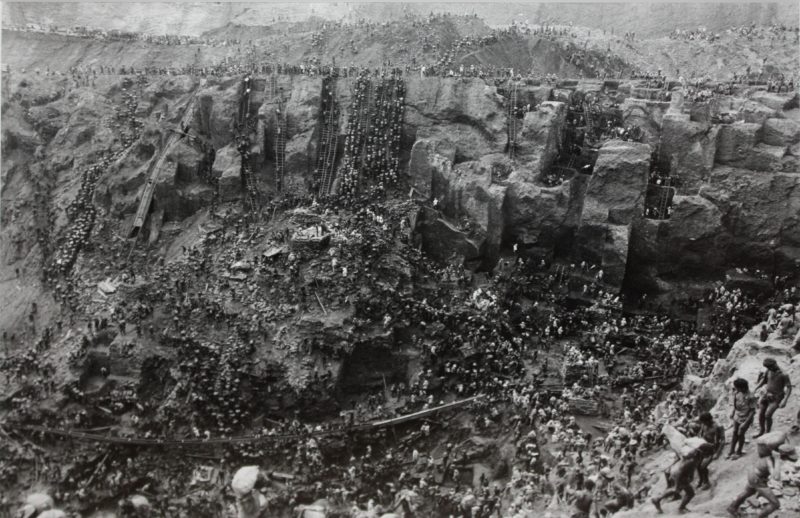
x=584 y=499
x=779 y=388
x=714 y=434
x=758 y=477
x=681 y=473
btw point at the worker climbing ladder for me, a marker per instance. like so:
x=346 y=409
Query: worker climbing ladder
x=329 y=157
x=251 y=189
x=368 y=113
x=273 y=86
x=280 y=147
x=664 y=201
x=511 y=117
x=587 y=115
x=328 y=138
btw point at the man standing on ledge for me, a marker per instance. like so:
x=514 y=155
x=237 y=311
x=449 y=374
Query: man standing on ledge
x=779 y=388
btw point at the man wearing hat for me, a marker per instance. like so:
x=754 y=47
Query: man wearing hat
x=758 y=477
x=779 y=388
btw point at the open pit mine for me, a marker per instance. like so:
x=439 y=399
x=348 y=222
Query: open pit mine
x=399 y=260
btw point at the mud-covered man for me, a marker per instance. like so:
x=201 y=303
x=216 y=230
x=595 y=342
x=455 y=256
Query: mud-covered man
x=779 y=388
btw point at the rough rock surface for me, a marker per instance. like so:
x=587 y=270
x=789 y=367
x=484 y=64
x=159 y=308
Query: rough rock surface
x=693 y=144
x=442 y=240
x=781 y=132
x=755 y=113
x=765 y=158
x=539 y=138
x=467 y=191
x=775 y=101
x=761 y=213
x=228 y=168
x=472 y=110
x=691 y=244
x=614 y=198
x=736 y=141
x=540 y=217
x=429 y=157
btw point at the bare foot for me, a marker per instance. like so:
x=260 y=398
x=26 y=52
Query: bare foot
x=657 y=503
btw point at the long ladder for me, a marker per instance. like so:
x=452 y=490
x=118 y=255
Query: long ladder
x=280 y=148
x=512 y=121
x=273 y=86
x=328 y=151
x=587 y=114
x=664 y=201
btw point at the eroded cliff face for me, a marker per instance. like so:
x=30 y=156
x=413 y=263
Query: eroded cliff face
x=737 y=199
x=737 y=202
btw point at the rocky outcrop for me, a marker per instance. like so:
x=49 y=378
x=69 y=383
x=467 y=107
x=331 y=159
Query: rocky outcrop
x=539 y=138
x=691 y=147
x=761 y=214
x=542 y=218
x=781 y=132
x=442 y=240
x=464 y=192
x=218 y=105
x=468 y=113
x=228 y=169
x=614 y=199
x=692 y=244
x=775 y=101
x=736 y=142
x=755 y=113
x=469 y=192
x=429 y=158
x=765 y=158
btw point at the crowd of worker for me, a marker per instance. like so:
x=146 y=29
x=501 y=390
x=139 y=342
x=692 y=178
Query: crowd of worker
x=372 y=143
x=213 y=372
x=508 y=338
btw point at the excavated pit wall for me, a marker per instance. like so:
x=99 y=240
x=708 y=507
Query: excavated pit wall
x=737 y=202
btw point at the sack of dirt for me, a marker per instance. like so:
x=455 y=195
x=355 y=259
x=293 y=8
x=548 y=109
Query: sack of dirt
x=682 y=445
x=770 y=441
x=245 y=480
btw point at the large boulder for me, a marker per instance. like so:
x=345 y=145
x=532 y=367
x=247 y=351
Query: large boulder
x=429 y=157
x=228 y=169
x=780 y=132
x=690 y=148
x=736 y=141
